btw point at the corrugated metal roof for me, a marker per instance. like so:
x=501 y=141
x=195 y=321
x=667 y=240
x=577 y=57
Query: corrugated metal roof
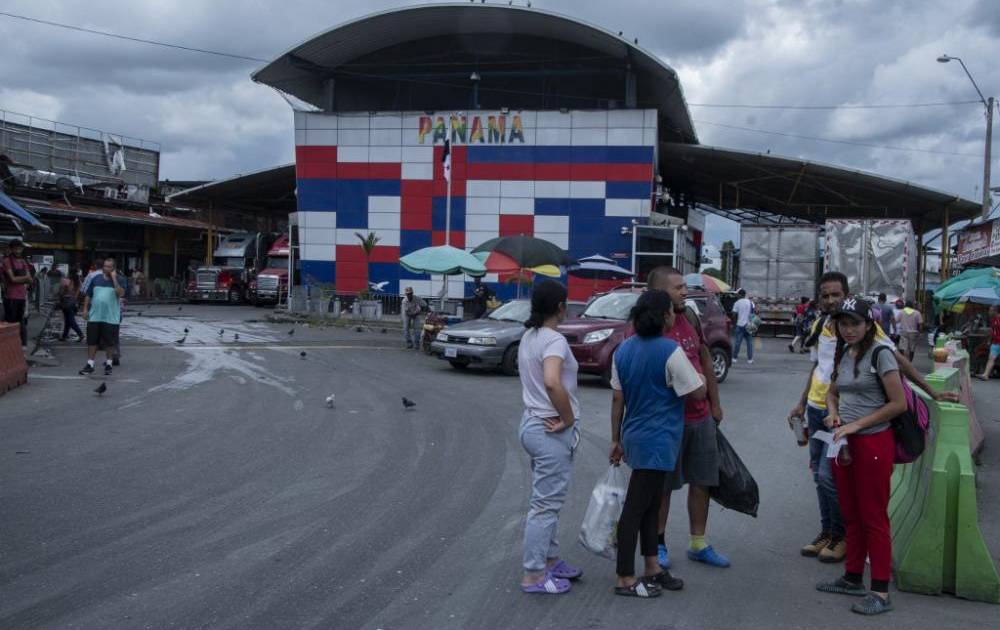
x=114 y=215
x=301 y=70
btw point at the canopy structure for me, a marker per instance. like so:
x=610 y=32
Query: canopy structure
x=423 y=58
x=760 y=188
x=265 y=189
x=14 y=209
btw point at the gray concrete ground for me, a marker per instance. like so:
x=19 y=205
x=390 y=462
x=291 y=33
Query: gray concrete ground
x=211 y=487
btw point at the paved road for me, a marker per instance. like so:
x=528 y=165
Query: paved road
x=211 y=487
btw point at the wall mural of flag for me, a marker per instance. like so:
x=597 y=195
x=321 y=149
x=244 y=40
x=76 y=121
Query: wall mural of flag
x=574 y=178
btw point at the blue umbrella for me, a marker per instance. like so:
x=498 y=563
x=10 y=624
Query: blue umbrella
x=11 y=207
x=444 y=260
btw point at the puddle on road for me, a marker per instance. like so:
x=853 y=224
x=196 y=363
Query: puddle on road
x=167 y=330
x=203 y=365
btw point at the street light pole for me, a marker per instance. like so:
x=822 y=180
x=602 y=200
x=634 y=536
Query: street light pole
x=988 y=103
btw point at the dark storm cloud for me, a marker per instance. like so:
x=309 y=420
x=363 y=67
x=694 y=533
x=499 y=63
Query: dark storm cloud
x=213 y=121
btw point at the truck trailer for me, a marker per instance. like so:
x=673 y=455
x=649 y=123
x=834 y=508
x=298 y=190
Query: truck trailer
x=876 y=255
x=779 y=266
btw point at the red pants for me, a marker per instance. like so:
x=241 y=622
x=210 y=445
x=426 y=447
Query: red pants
x=863 y=494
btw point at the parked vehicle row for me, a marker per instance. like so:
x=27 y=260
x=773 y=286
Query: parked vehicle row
x=593 y=336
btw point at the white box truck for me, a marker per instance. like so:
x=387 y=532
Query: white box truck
x=876 y=255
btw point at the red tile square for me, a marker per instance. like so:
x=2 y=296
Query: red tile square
x=419 y=220
x=514 y=224
x=416 y=188
x=306 y=154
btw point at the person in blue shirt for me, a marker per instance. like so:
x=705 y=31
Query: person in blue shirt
x=102 y=311
x=650 y=375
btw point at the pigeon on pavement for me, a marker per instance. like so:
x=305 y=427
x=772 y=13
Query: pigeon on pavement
x=103 y=387
x=179 y=308
x=221 y=331
x=186 y=331
x=329 y=400
x=236 y=337
x=408 y=404
x=181 y=340
x=291 y=332
x=302 y=354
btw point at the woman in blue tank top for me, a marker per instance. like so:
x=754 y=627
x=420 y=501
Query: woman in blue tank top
x=650 y=375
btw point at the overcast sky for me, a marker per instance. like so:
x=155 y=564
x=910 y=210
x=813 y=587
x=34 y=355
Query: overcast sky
x=212 y=121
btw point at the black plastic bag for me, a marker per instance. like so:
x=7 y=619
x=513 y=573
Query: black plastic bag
x=737 y=489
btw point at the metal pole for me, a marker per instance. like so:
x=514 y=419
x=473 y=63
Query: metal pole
x=291 y=265
x=945 y=245
x=986 y=163
x=447 y=230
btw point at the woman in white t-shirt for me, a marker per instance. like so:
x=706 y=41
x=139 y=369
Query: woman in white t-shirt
x=548 y=384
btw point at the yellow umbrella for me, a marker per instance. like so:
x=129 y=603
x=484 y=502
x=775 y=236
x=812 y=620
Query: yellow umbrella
x=547 y=270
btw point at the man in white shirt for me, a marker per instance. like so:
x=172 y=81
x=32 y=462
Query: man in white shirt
x=743 y=308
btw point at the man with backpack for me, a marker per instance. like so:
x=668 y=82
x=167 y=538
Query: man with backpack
x=833 y=289
x=698 y=459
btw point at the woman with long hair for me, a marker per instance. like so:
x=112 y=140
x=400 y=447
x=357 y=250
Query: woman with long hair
x=865 y=394
x=650 y=374
x=547 y=433
x=69 y=301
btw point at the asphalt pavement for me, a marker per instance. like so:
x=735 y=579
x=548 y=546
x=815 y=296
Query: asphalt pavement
x=211 y=487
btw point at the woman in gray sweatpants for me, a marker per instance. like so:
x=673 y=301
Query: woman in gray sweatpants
x=548 y=388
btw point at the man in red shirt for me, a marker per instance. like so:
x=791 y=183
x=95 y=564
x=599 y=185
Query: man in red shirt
x=16 y=274
x=698 y=460
x=994 y=342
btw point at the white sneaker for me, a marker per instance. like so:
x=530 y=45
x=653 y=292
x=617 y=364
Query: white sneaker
x=735 y=360
x=749 y=361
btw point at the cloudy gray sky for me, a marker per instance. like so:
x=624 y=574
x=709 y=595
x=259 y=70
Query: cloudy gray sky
x=212 y=121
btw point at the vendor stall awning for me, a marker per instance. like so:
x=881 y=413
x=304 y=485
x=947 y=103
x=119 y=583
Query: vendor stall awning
x=11 y=207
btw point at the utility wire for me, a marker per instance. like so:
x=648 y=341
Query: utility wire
x=847 y=142
x=132 y=39
x=822 y=107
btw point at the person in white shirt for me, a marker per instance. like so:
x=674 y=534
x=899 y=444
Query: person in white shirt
x=743 y=309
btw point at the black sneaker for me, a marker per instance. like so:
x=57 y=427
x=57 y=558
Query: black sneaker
x=87 y=369
x=107 y=370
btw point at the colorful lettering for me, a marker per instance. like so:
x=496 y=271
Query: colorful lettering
x=477 y=130
x=458 y=129
x=516 y=130
x=440 y=133
x=425 y=128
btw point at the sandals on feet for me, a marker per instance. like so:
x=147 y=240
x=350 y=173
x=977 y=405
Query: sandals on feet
x=549 y=585
x=640 y=588
x=565 y=571
x=665 y=580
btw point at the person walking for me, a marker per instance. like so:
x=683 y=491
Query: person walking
x=548 y=434
x=698 y=458
x=910 y=322
x=101 y=310
x=69 y=301
x=994 y=343
x=17 y=275
x=138 y=282
x=865 y=394
x=650 y=374
x=743 y=308
x=886 y=315
x=800 y=333
x=412 y=307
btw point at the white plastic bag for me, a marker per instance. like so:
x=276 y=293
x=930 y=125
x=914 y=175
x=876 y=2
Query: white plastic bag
x=600 y=523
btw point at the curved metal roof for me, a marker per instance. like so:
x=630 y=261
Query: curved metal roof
x=303 y=69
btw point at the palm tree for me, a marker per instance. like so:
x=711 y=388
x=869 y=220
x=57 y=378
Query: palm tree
x=368 y=244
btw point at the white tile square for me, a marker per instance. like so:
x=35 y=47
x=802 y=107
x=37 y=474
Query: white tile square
x=516 y=188
x=421 y=288
x=352 y=154
x=314 y=120
x=354 y=121
x=553 y=136
x=300 y=119
x=300 y=137
x=353 y=137
x=385 y=155
x=379 y=203
x=418 y=170
x=552 y=224
x=482 y=188
x=387 y=236
x=411 y=122
x=318 y=252
x=320 y=236
x=387 y=120
x=516 y=205
x=649 y=137
x=383 y=221
x=417 y=154
x=622 y=207
x=626 y=118
x=649 y=118
x=321 y=137
x=586 y=190
x=557 y=238
x=475 y=238
x=597 y=119
x=625 y=137
x=482 y=205
x=386 y=137
x=551 y=189
x=320 y=219
x=588 y=136
x=554 y=119
x=482 y=222
x=347 y=236
x=529 y=119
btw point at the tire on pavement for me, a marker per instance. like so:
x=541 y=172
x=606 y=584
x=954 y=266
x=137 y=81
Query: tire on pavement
x=720 y=363
x=509 y=363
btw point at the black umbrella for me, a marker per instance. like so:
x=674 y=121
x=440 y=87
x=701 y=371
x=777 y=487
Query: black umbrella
x=528 y=251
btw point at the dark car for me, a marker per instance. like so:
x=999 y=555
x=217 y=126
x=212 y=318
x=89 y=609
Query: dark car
x=594 y=336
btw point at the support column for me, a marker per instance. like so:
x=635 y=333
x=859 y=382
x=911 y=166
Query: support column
x=946 y=245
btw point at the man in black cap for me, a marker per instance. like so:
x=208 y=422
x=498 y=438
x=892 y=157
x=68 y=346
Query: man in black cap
x=17 y=275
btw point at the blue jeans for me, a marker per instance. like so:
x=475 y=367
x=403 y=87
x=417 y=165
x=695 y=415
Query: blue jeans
x=412 y=330
x=822 y=469
x=738 y=336
x=551 y=464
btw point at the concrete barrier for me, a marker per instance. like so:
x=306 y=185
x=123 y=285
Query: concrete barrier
x=960 y=360
x=937 y=545
x=13 y=367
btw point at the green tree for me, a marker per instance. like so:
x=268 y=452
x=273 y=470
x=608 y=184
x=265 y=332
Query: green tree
x=368 y=244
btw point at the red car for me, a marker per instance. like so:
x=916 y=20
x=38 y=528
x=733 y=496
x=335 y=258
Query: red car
x=594 y=336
